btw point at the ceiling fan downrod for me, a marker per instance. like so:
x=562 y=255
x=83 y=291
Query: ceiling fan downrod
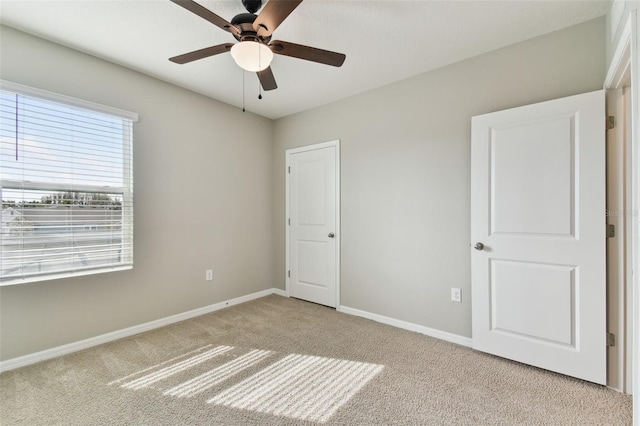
x=252 y=6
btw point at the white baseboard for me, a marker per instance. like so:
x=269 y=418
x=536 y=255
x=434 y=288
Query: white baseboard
x=25 y=360
x=279 y=292
x=432 y=332
x=33 y=358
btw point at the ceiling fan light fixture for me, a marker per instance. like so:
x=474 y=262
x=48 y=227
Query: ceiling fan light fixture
x=252 y=55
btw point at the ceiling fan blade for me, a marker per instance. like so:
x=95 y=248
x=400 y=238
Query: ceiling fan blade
x=202 y=53
x=272 y=15
x=267 y=80
x=308 y=53
x=205 y=13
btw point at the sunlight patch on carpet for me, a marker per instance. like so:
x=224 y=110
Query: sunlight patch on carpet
x=163 y=373
x=218 y=375
x=122 y=379
x=300 y=386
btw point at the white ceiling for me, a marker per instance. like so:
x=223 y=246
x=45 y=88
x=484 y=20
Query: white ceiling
x=385 y=40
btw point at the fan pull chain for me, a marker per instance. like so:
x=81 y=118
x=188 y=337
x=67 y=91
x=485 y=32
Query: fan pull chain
x=259 y=83
x=243 y=110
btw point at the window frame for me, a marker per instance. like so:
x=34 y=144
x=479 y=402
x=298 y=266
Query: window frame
x=126 y=189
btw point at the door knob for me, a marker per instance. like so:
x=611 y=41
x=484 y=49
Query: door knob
x=331 y=235
x=479 y=246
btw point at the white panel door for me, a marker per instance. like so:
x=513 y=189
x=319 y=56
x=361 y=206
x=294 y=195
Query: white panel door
x=313 y=224
x=538 y=235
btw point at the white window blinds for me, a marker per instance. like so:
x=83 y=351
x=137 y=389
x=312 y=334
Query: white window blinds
x=67 y=186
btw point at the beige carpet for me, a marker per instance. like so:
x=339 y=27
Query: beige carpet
x=276 y=361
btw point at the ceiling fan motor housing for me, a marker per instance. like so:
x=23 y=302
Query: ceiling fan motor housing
x=244 y=22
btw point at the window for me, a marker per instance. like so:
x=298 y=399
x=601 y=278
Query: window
x=66 y=185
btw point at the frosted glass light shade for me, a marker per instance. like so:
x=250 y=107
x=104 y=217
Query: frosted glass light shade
x=251 y=55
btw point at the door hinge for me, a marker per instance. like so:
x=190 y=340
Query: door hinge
x=611 y=231
x=289 y=274
x=288 y=169
x=289 y=221
x=611 y=122
x=611 y=339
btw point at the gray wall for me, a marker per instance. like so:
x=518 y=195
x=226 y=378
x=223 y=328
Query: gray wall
x=405 y=170
x=203 y=199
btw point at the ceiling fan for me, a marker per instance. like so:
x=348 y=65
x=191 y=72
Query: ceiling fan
x=255 y=49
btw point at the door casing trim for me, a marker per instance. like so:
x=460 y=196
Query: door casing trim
x=624 y=63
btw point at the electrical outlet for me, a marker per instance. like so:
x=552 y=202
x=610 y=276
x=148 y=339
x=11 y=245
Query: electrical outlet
x=209 y=275
x=456 y=295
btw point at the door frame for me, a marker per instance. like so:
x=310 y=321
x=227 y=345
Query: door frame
x=287 y=267
x=623 y=63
